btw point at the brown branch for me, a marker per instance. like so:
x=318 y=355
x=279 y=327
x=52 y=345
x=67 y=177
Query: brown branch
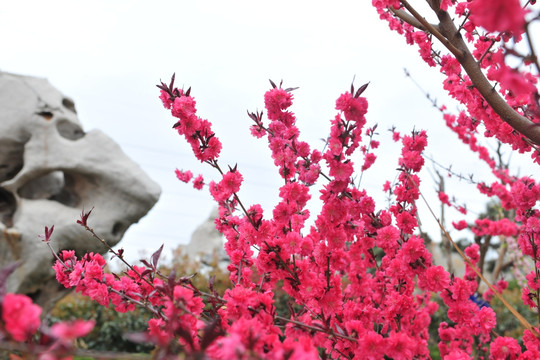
x=450 y=37
x=484 y=247
x=447 y=246
x=499 y=265
x=433 y=30
x=329 y=332
x=520 y=123
x=409 y=19
x=315 y=328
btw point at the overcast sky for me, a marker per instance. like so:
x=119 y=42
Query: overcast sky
x=108 y=56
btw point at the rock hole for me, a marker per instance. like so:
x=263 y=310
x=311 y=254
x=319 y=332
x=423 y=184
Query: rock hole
x=11 y=158
x=7 y=207
x=118 y=228
x=69 y=130
x=69 y=104
x=34 y=295
x=68 y=195
x=46 y=114
x=56 y=186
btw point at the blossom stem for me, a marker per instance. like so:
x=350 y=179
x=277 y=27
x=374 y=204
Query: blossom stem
x=121 y=258
x=282 y=262
x=137 y=302
x=56 y=255
x=367 y=152
x=486 y=52
x=314 y=328
x=284 y=319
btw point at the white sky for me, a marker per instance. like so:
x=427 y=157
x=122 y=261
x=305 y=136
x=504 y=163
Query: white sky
x=108 y=56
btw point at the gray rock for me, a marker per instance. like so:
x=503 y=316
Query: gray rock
x=206 y=246
x=205 y=239
x=50 y=169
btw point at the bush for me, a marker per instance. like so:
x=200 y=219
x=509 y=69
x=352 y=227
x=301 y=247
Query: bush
x=111 y=326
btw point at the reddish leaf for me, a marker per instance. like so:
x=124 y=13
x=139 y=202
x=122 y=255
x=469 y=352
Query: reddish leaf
x=156 y=255
x=361 y=90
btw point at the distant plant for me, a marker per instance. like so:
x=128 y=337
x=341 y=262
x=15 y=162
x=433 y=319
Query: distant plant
x=210 y=271
x=110 y=325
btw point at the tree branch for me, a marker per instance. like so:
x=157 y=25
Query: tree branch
x=518 y=122
x=450 y=37
x=409 y=19
x=432 y=29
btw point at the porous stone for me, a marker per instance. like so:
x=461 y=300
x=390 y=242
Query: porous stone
x=205 y=239
x=50 y=169
x=206 y=244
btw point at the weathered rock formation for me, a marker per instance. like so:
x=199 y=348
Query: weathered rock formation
x=205 y=239
x=49 y=170
x=206 y=243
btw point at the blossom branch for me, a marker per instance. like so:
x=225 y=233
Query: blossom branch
x=452 y=40
x=465 y=258
x=236 y=197
x=83 y=223
x=284 y=319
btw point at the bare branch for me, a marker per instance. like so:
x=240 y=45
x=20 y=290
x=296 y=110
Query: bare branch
x=447 y=246
x=409 y=19
x=500 y=259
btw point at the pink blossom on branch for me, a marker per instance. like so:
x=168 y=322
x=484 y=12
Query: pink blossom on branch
x=498 y=15
x=184 y=176
x=460 y=225
x=198 y=182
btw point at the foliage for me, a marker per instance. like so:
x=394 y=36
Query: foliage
x=110 y=325
x=185 y=266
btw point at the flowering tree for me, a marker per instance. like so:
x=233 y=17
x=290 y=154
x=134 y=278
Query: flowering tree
x=360 y=280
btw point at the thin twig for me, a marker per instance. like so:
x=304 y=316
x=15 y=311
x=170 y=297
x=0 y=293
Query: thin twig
x=486 y=52
x=531 y=47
